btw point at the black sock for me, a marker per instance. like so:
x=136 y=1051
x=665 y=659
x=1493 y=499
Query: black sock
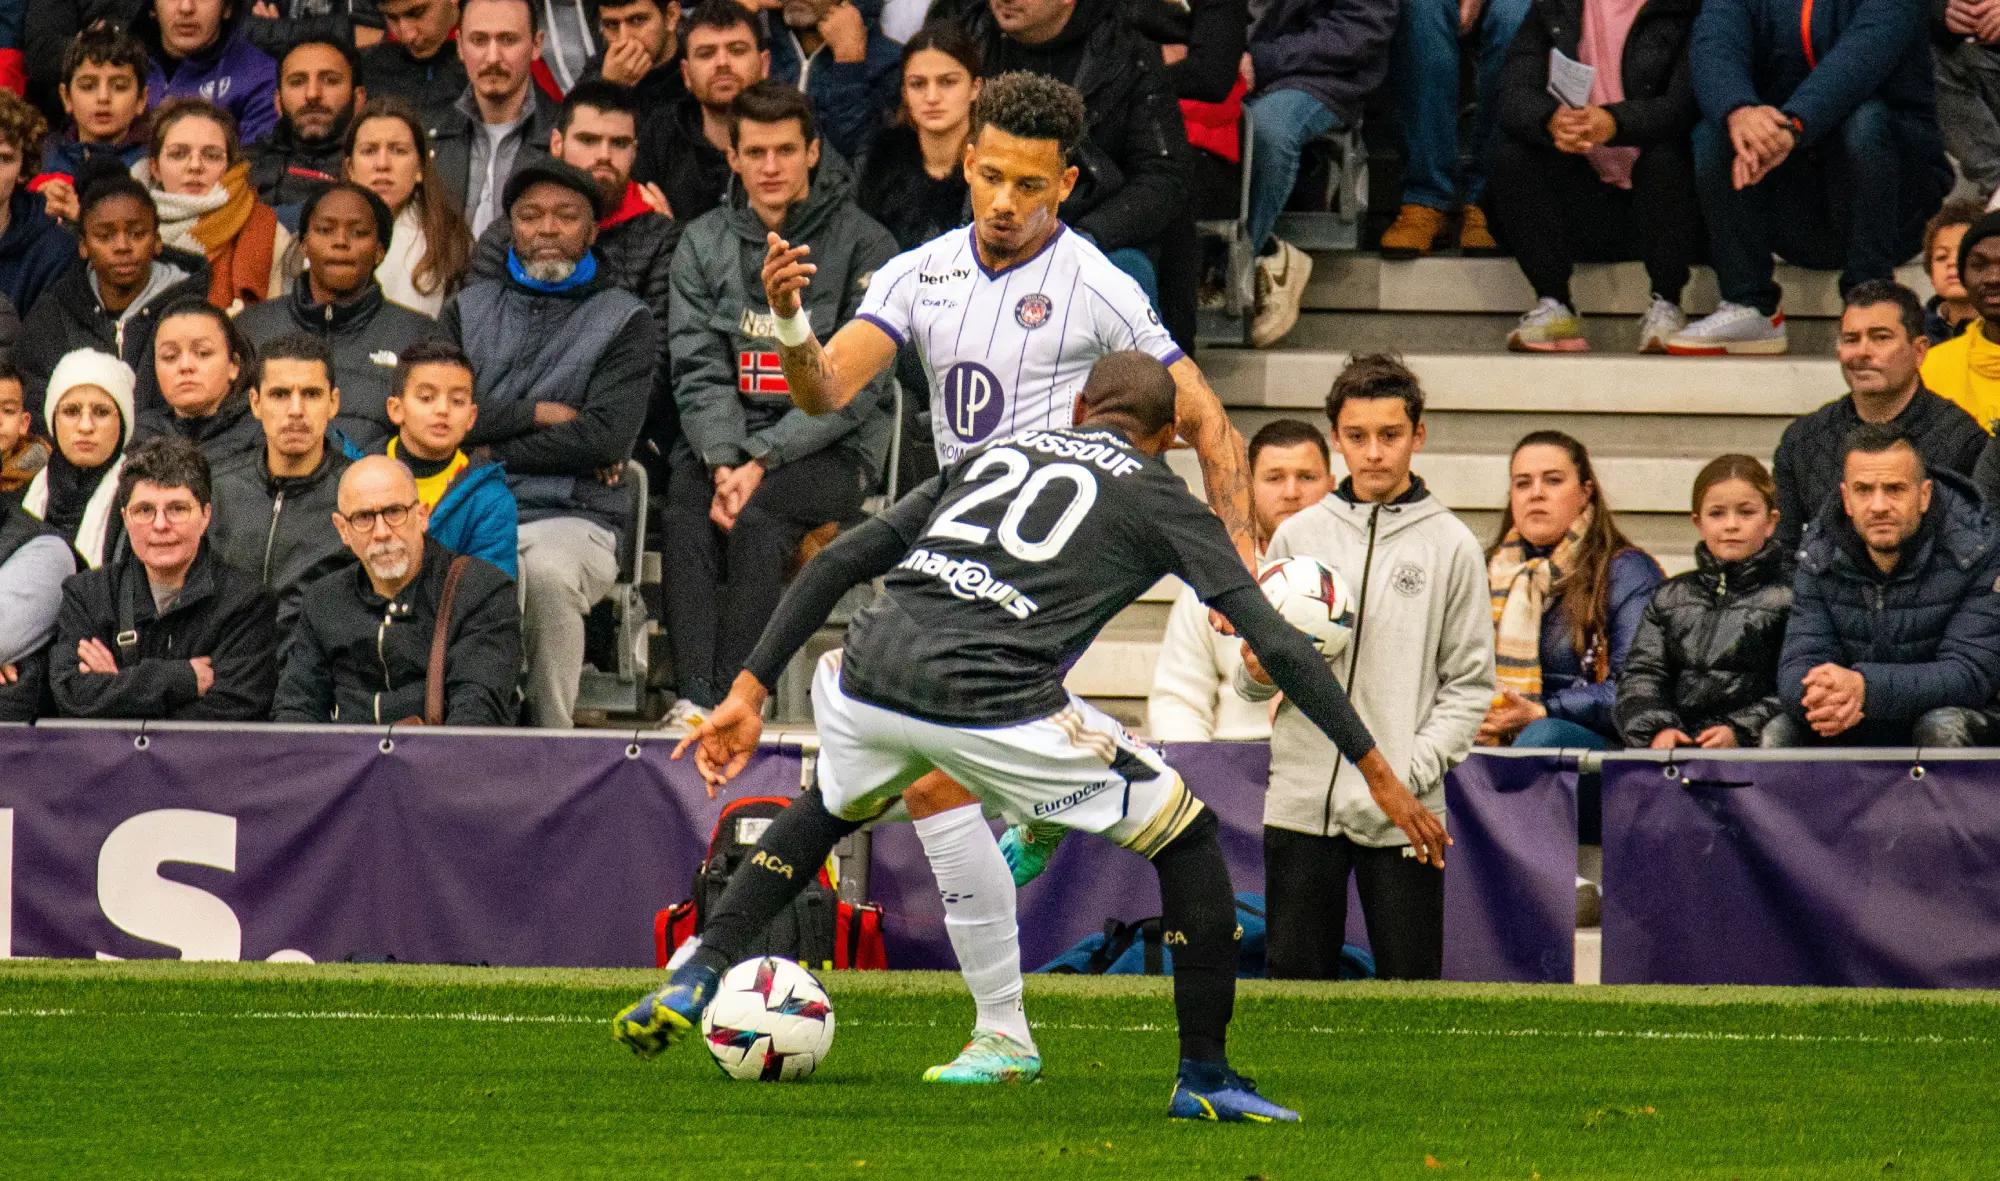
x=1199 y=914
x=786 y=858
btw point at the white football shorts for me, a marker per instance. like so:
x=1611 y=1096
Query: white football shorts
x=1076 y=768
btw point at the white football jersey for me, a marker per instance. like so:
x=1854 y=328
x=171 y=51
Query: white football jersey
x=1007 y=352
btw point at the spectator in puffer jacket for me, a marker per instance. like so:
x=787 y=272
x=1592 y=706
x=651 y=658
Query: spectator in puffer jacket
x=1895 y=631
x=471 y=509
x=563 y=360
x=343 y=231
x=1568 y=589
x=1703 y=669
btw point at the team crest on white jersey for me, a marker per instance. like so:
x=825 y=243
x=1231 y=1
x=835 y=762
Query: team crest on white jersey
x=1033 y=310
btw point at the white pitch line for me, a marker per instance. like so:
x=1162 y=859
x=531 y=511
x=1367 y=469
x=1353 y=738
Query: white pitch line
x=1664 y=1035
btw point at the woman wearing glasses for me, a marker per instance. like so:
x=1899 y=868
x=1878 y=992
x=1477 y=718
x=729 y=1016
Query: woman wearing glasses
x=166 y=631
x=89 y=408
x=200 y=181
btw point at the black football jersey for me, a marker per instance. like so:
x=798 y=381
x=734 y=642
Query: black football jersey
x=1018 y=554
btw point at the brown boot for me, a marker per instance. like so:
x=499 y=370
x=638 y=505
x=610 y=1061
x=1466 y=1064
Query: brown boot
x=1414 y=233
x=1473 y=236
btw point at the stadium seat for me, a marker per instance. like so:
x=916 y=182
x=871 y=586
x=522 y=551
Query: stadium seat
x=621 y=688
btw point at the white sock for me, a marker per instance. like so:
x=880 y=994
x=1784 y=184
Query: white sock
x=978 y=893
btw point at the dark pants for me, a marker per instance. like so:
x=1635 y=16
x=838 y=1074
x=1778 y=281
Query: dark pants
x=1946 y=726
x=1855 y=201
x=1552 y=211
x=722 y=587
x=1305 y=907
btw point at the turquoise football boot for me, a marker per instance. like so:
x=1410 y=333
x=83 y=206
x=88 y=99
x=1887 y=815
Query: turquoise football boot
x=990 y=1057
x=1028 y=847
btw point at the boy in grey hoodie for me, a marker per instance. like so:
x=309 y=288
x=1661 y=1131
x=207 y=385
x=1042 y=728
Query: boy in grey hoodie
x=1420 y=668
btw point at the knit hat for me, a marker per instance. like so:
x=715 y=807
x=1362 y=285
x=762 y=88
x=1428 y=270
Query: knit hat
x=1986 y=227
x=547 y=168
x=90 y=367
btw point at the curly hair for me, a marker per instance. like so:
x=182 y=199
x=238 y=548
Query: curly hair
x=22 y=126
x=1031 y=106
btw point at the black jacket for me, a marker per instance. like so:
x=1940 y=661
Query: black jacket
x=1706 y=652
x=895 y=189
x=286 y=170
x=675 y=155
x=361 y=658
x=365 y=336
x=1215 y=33
x=1925 y=635
x=431 y=85
x=1807 y=465
x=69 y=316
x=1136 y=158
x=221 y=614
x=1659 y=102
x=280 y=531
x=228 y=438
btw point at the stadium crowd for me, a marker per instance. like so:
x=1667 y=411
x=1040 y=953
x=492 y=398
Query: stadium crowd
x=330 y=332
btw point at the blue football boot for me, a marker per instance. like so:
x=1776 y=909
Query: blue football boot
x=662 y=1016
x=1212 y=1091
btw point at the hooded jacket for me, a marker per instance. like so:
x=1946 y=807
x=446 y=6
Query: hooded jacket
x=722 y=332
x=221 y=614
x=1136 y=158
x=286 y=170
x=1420 y=660
x=850 y=100
x=70 y=316
x=1924 y=635
x=280 y=530
x=34 y=252
x=1706 y=652
x=232 y=73
x=362 y=659
x=477 y=516
x=430 y=85
x=587 y=344
x=1659 y=86
x=228 y=438
x=365 y=335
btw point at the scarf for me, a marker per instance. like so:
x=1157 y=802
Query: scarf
x=585 y=271
x=1601 y=45
x=227 y=226
x=18 y=467
x=1520 y=585
x=76 y=502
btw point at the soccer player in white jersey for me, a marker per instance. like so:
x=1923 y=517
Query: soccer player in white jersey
x=1008 y=315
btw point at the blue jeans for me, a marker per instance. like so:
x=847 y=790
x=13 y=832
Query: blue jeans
x=1557 y=734
x=1134 y=262
x=1282 y=123
x=1854 y=201
x=1424 y=66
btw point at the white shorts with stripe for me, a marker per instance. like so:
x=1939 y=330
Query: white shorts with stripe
x=1076 y=768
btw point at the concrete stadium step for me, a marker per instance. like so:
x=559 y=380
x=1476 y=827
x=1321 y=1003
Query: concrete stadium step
x=1360 y=281
x=1483 y=332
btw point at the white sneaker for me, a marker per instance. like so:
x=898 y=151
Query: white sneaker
x=1662 y=321
x=1551 y=326
x=1281 y=284
x=683 y=718
x=1730 y=330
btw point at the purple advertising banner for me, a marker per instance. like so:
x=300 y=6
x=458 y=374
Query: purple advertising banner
x=1870 y=870
x=536 y=849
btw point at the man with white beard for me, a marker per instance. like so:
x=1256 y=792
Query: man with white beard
x=363 y=646
x=563 y=364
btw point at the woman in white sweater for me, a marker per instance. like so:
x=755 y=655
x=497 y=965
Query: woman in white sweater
x=430 y=248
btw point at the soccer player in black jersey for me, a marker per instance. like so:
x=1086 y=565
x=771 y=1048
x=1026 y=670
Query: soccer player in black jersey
x=997 y=574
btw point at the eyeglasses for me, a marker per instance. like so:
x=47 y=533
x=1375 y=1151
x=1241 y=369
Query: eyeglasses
x=177 y=512
x=363 y=520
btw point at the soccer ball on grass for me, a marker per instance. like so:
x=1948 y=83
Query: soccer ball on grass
x=770 y=1021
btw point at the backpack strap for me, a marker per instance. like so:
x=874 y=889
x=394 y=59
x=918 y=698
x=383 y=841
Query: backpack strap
x=440 y=635
x=127 y=638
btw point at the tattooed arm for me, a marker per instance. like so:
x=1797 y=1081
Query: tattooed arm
x=1202 y=422
x=823 y=378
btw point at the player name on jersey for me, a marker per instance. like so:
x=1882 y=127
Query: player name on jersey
x=1006 y=351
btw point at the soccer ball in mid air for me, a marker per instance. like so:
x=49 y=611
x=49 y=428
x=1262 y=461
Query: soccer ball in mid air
x=1313 y=598
x=770 y=1021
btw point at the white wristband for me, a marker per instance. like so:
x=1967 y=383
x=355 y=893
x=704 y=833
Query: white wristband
x=795 y=329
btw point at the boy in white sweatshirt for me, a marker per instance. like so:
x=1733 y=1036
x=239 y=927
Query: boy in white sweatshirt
x=1419 y=668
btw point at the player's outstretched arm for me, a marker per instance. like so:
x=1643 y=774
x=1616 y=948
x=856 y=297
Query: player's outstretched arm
x=1299 y=670
x=1200 y=419
x=728 y=736
x=823 y=378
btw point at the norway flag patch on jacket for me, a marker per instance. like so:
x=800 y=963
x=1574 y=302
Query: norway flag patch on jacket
x=761 y=374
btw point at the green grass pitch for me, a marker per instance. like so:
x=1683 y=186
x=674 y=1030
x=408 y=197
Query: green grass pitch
x=280 y=1071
